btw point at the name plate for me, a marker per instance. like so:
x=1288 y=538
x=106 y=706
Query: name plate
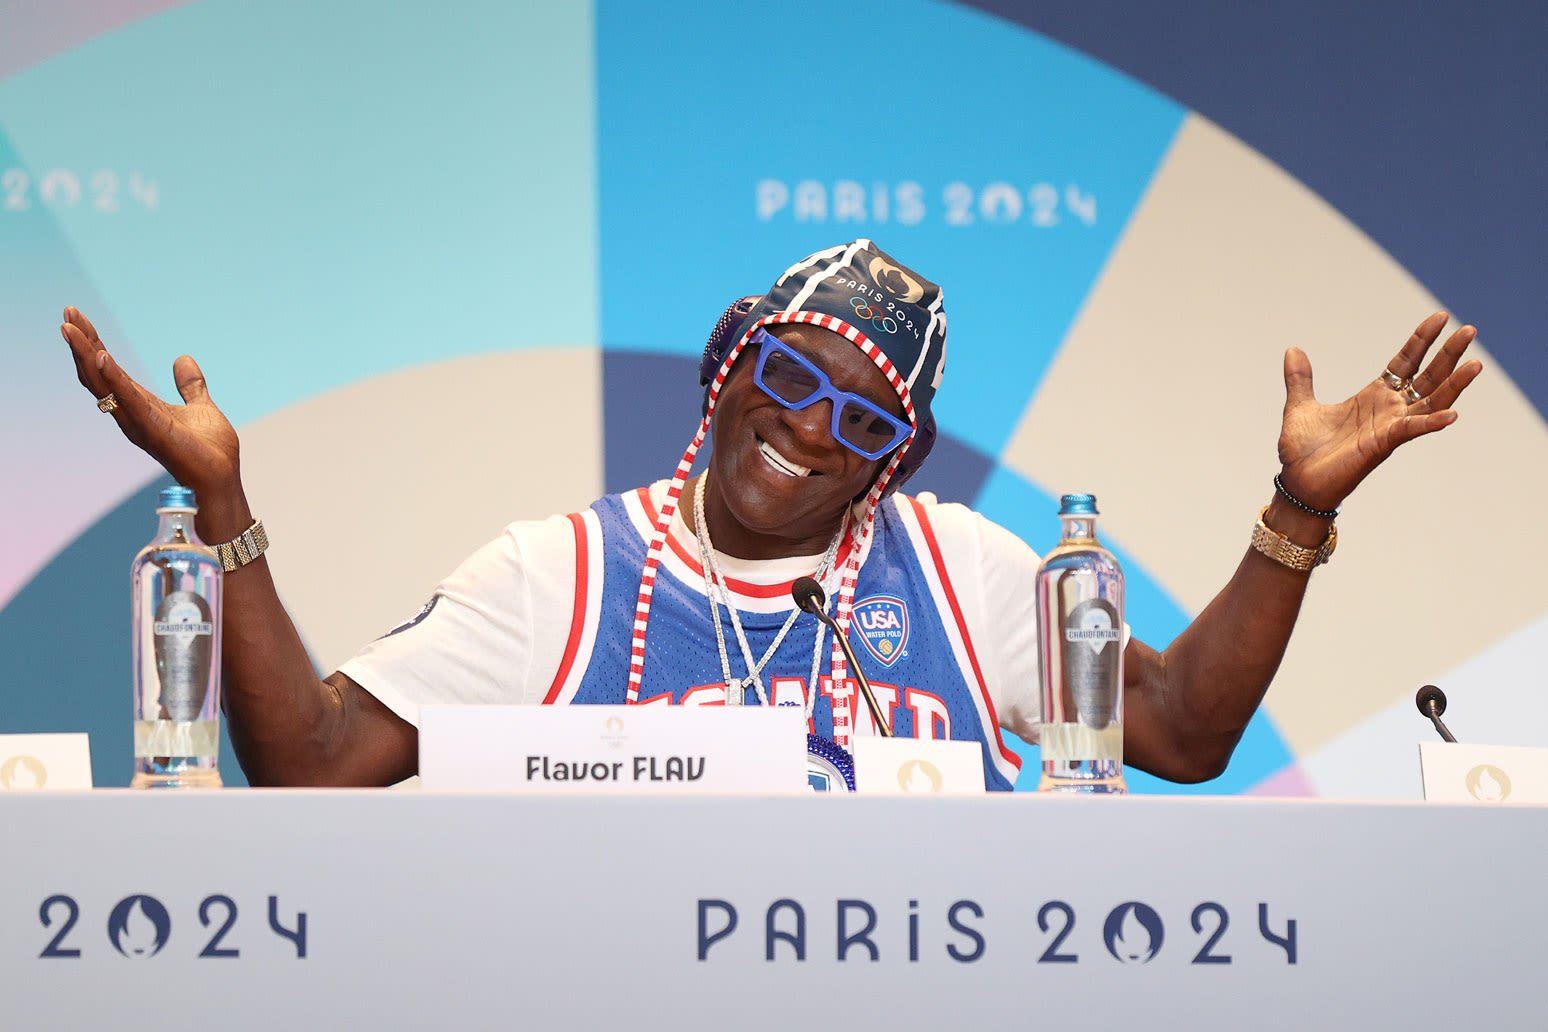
x=909 y=766
x=1455 y=773
x=44 y=762
x=581 y=749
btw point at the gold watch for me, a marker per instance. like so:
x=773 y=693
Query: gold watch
x=1289 y=554
x=243 y=548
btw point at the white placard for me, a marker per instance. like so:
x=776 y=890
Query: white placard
x=1456 y=773
x=569 y=749
x=45 y=762
x=909 y=766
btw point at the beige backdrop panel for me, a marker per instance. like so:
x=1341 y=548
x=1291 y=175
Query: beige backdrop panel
x=373 y=493
x=1227 y=262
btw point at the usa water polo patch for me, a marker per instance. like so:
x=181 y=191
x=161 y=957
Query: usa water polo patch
x=883 y=623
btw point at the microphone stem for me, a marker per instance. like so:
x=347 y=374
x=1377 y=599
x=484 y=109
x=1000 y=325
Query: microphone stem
x=877 y=715
x=882 y=724
x=870 y=700
x=808 y=596
x=1435 y=719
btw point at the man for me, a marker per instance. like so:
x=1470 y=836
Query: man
x=819 y=396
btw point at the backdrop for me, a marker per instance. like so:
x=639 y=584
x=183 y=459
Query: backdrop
x=449 y=267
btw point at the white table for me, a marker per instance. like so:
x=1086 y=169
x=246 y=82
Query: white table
x=495 y=911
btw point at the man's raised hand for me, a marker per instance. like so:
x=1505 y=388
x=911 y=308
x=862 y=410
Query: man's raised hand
x=193 y=441
x=1328 y=449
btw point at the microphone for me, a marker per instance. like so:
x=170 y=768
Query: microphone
x=1432 y=703
x=808 y=595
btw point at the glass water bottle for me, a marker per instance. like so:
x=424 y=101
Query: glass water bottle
x=1080 y=657
x=175 y=583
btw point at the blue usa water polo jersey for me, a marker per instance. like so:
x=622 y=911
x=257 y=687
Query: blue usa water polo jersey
x=907 y=633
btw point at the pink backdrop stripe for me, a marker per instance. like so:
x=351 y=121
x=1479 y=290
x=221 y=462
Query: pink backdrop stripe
x=34 y=31
x=1288 y=782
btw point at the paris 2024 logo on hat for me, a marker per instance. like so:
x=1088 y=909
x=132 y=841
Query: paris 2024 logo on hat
x=901 y=312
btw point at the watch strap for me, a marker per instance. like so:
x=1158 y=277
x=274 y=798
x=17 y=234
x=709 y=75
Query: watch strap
x=1286 y=552
x=243 y=548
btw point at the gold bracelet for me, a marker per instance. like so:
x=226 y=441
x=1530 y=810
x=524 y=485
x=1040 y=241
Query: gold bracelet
x=1289 y=554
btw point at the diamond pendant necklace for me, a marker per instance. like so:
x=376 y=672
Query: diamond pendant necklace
x=715 y=580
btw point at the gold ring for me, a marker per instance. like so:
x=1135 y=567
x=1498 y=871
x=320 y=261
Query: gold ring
x=107 y=404
x=1394 y=381
x=1410 y=395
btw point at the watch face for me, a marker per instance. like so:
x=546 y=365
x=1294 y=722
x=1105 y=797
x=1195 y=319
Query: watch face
x=829 y=767
x=822 y=775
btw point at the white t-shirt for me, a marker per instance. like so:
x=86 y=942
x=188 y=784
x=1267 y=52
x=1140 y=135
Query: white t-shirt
x=496 y=630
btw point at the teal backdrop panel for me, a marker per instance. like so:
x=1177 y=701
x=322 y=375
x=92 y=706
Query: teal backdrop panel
x=306 y=194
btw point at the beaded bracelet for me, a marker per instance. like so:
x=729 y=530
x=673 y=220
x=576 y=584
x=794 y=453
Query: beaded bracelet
x=1279 y=485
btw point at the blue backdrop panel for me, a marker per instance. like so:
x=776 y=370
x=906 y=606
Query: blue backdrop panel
x=994 y=161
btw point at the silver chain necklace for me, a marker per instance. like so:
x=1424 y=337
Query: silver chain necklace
x=715 y=580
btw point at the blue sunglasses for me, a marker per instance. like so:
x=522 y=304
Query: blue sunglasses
x=790 y=379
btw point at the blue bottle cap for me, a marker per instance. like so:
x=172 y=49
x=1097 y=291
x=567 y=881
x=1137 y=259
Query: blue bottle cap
x=1078 y=505
x=177 y=498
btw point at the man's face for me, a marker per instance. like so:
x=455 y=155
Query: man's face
x=759 y=503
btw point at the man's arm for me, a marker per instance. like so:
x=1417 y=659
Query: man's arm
x=288 y=727
x=1186 y=707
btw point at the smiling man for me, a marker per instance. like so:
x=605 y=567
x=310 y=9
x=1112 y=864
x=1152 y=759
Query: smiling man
x=819 y=395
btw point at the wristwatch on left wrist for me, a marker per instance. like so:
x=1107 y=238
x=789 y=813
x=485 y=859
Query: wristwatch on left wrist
x=1289 y=554
x=243 y=548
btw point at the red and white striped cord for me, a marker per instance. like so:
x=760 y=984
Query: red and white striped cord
x=663 y=524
